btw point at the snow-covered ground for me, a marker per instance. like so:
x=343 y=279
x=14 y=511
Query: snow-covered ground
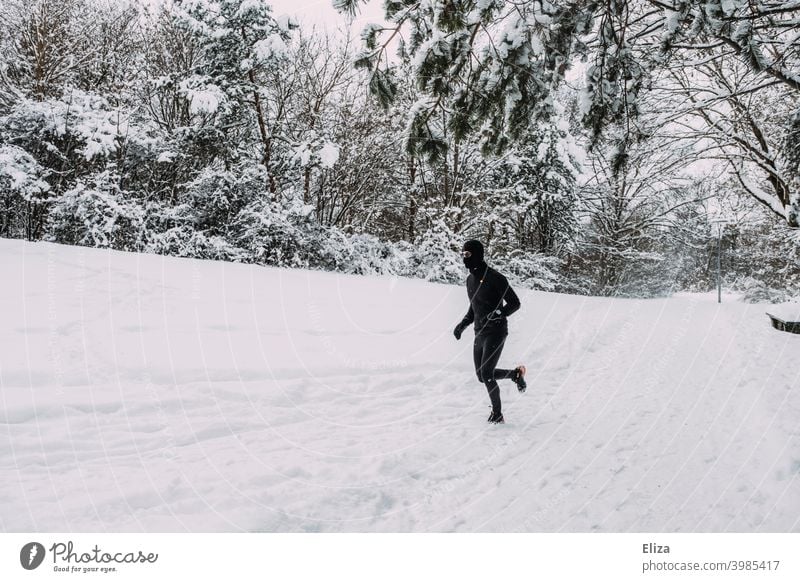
x=142 y=393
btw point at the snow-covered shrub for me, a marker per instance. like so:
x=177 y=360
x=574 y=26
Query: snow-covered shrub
x=80 y=123
x=97 y=213
x=22 y=193
x=282 y=233
x=768 y=252
x=757 y=291
x=627 y=272
x=646 y=274
x=80 y=139
x=435 y=255
x=173 y=231
x=216 y=197
x=533 y=271
x=184 y=241
x=364 y=254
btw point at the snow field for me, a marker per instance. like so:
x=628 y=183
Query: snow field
x=145 y=393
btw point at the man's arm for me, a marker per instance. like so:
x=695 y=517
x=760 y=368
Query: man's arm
x=511 y=299
x=468 y=318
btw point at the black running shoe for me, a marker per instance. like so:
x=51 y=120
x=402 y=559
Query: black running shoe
x=519 y=379
x=496 y=419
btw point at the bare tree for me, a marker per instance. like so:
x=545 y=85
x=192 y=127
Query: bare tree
x=48 y=43
x=738 y=117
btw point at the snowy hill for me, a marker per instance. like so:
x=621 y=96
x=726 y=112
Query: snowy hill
x=157 y=394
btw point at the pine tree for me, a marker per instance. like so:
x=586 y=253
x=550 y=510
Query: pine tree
x=238 y=39
x=493 y=66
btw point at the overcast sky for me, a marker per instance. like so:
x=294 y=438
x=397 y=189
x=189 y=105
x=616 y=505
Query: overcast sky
x=321 y=12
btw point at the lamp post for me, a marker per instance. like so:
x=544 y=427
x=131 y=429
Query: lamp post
x=719 y=263
x=720 y=222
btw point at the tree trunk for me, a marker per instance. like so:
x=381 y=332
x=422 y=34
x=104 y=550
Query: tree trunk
x=266 y=139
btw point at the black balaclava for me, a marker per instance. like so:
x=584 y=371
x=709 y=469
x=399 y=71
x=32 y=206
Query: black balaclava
x=475 y=259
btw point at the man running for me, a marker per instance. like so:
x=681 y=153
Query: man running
x=487 y=291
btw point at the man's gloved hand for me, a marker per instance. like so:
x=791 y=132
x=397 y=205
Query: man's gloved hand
x=495 y=315
x=459 y=330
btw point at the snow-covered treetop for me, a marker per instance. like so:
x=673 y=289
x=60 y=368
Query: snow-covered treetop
x=499 y=60
x=89 y=117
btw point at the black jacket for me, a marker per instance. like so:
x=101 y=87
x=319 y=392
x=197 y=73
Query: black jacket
x=488 y=290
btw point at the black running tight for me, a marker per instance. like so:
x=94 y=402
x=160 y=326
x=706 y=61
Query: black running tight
x=486 y=353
